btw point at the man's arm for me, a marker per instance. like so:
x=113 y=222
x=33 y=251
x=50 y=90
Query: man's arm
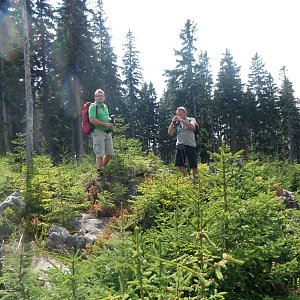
x=171 y=129
x=93 y=118
x=188 y=123
x=96 y=122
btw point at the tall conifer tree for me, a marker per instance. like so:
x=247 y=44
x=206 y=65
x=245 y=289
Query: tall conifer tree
x=76 y=58
x=147 y=117
x=43 y=75
x=290 y=119
x=265 y=121
x=133 y=80
x=181 y=84
x=204 y=117
x=190 y=84
x=165 y=142
x=107 y=70
x=227 y=98
x=11 y=76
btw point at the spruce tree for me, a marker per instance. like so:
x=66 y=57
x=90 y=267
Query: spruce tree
x=76 y=58
x=147 y=117
x=12 y=90
x=248 y=112
x=227 y=102
x=290 y=119
x=265 y=121
x=133 y=80
x=166 y=144
x=45 y=109
x=181 y=84
x=106 y=75
x=204 y=117
x=190 y=85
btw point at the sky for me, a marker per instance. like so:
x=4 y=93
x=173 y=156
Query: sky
x=268 y=27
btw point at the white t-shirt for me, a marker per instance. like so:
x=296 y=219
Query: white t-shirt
x=185 y=135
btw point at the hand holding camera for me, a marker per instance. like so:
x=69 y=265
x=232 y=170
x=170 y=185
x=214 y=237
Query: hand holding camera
x=111 y=124
x=176 y=121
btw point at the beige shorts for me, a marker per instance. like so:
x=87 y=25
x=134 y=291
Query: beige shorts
x=102 y=143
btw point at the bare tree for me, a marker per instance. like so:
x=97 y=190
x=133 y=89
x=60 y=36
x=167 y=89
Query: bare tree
x=4 y=111
x=28 y=89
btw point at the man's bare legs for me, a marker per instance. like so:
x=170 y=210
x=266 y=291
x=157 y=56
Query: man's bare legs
x=183 y=171
x=102 y=161
x=106 y=160
x=194 y=172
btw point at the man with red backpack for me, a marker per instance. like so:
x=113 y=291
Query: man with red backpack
x=102 y=132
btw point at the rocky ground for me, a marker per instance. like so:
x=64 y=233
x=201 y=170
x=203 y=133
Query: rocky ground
x=87 y=228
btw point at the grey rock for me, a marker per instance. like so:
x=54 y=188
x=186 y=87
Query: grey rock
x=87 y=230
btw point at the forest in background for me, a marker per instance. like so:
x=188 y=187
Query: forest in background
x=71 y=55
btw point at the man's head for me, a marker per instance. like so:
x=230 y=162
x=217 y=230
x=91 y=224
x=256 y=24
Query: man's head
x=181 y=112
x=99 y=96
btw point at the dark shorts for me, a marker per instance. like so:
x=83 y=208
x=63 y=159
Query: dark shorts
x=184 y=153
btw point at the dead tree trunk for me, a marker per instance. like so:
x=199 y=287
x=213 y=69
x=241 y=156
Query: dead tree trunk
x=28 y=89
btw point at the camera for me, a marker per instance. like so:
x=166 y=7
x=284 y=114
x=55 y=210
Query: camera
x=175 y=123
x=112 y=119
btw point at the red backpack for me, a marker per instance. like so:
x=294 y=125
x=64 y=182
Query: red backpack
x=87 y=126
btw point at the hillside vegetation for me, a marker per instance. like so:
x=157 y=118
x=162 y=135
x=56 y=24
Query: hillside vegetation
x=226 y=237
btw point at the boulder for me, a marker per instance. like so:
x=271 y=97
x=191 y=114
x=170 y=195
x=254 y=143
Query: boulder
x=87 y=230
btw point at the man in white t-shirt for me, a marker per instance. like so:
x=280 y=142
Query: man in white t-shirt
x=183 y=126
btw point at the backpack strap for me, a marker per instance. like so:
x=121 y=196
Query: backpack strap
x=96 y=108
x=190 y=119
x=196 y=130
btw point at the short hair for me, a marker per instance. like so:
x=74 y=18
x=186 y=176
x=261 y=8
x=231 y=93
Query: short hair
x=182 y=108
x=99 y=91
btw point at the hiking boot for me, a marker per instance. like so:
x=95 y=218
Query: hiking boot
x=100 y=173
x=192 y=180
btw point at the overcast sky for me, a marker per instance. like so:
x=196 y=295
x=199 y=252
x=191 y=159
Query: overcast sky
x=268 y=27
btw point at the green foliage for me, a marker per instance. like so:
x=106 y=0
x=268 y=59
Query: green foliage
x=18 y=154
x=226 y=237
x=53 y=194
x=105 y=205
x=136 y=268
x=283 y=173
x=158 y=193
x=67 y=279
x=9 y=179
x=130 y=161
x=16 y=280
x=241 y=216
